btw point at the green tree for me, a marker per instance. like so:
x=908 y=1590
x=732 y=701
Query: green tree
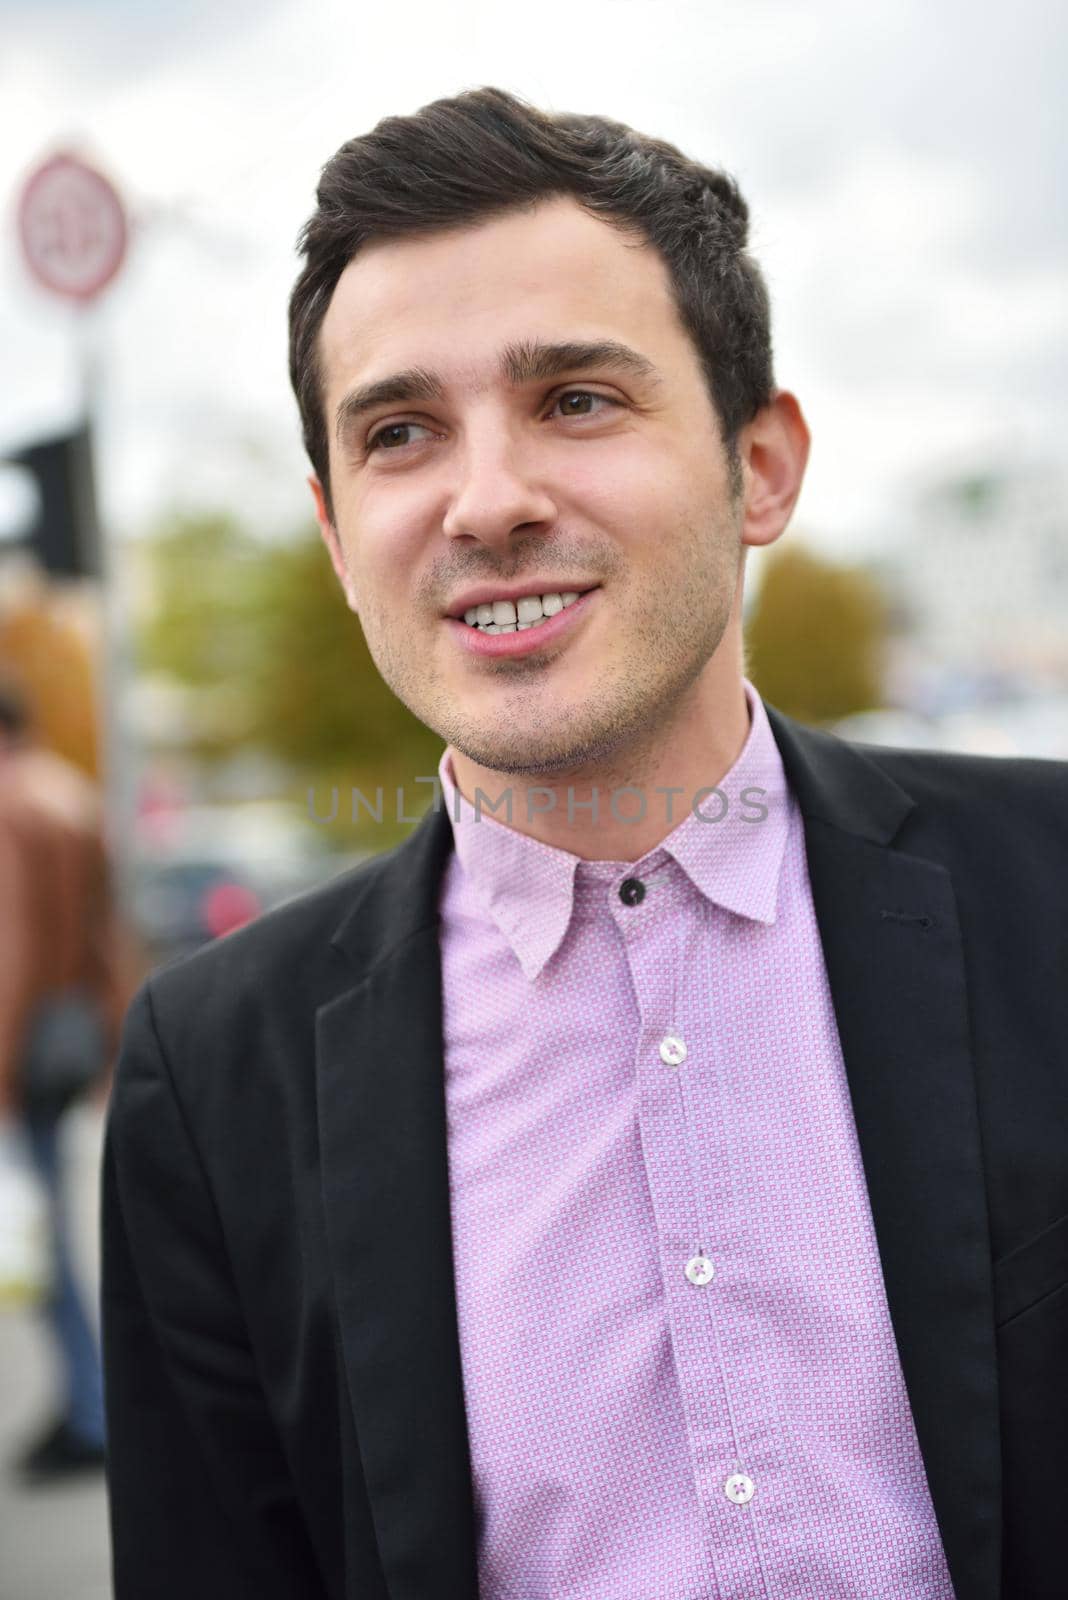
x=321 y=703
x=815 y=638
x=206 y=579
x=264 y=629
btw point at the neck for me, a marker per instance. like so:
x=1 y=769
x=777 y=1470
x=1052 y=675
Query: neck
x=593 y=811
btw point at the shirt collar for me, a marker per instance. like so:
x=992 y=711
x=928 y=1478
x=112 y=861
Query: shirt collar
x=528 y=887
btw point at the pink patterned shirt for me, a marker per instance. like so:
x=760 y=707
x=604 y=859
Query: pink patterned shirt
x=680 y=1375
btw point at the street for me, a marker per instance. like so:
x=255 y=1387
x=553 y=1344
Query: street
x=53 y=1540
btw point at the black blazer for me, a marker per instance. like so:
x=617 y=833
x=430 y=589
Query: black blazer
x=283 y=1379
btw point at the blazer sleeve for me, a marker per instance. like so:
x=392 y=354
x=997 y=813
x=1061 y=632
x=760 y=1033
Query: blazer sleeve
x=201 y=1502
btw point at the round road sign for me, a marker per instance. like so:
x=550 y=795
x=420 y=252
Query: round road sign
x=72 y=226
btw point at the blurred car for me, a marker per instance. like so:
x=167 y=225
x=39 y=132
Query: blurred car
x=178 y=904
x=1034 y=724
x=902 y=729
x=225 y=867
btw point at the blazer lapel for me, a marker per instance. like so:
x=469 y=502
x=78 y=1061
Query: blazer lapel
x=892 y=947
x=385 y=1185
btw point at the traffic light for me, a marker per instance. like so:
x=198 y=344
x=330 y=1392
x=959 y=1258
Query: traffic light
x=66 y=536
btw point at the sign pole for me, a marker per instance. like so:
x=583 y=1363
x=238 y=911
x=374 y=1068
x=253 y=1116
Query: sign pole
x=74 y=233
x=116 y=758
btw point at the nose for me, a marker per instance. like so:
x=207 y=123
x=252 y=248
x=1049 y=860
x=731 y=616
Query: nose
x=497 y=493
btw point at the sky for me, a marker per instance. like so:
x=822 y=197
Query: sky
x=903 y=162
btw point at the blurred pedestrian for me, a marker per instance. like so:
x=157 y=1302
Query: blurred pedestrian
x=61 y=1001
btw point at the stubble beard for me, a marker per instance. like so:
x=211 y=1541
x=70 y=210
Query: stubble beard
x=661 y=645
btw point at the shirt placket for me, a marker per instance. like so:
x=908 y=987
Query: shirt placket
x=693 y=1205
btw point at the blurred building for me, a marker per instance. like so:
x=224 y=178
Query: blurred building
x=979 y=574
x=975 y=574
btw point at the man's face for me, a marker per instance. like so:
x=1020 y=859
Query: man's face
x=529 y=487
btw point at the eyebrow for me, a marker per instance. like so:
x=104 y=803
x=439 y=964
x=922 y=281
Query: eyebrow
x=527 y=361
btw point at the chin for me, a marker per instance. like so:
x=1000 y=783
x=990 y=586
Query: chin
x=514 y=761
x=534 y=756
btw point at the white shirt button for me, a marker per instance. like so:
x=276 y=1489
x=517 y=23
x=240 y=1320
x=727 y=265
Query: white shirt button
x=700 y=1270
x=739 y=1488
x=672 y=1051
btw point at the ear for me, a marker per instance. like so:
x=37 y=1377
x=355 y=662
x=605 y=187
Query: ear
x=332 y=542
x=774 y=450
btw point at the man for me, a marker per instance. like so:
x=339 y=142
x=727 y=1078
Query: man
x=59 y=940
x=650 y=1180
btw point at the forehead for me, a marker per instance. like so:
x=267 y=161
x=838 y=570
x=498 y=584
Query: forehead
x=451 y=300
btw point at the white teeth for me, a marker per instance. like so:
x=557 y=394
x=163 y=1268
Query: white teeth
x=508 y=616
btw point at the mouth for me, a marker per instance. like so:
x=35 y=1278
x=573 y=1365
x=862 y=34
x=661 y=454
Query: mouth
x=515 y=615
x=506 y=628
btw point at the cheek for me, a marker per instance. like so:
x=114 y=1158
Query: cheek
x=610 y=487
x=386 y=534
x=642 y=495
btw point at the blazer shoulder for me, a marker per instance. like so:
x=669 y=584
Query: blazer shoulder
x=954 y=772
x=1007 y=798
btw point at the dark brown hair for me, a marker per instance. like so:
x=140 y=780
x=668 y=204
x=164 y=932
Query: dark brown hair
x=485 y=152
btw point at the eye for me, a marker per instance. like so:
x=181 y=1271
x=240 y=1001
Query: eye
x=373 y=442
x=583 y=394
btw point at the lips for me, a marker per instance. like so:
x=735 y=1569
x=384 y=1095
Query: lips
x=521 y=642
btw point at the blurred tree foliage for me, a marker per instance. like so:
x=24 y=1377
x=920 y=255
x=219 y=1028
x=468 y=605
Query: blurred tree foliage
x=266 y=627
x=816 y=636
